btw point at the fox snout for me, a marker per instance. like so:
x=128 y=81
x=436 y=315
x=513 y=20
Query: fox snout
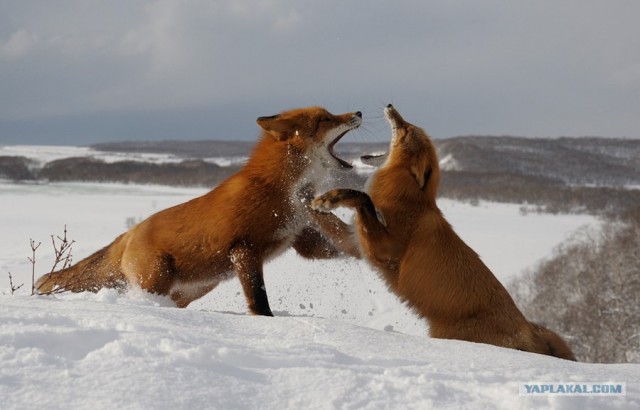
x=356 y=119
x=393 y=116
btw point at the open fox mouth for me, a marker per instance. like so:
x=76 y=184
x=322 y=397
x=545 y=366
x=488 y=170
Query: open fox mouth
x=374 y=160
x=343 y=163
x=355 y=122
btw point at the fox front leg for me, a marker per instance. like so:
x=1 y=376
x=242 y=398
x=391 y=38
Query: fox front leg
x=350 y=198
x=377 y=243
x=332 y=236
x=248 y=267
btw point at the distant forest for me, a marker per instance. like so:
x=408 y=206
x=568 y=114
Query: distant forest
x=562 y=175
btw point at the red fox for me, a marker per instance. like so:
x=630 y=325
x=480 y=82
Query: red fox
x=403 y=234
x=183 y=252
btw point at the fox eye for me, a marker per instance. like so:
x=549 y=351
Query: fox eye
x=325 y=119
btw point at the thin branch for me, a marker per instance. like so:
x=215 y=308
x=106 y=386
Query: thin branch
x=62 y=252
x=32 y=259
x=13 y=288
x=62 y=256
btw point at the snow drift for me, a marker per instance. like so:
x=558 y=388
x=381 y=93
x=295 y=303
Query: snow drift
x=106 y=351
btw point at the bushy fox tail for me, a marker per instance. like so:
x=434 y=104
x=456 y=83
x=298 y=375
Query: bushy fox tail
x=90 y=274
x=555 y=345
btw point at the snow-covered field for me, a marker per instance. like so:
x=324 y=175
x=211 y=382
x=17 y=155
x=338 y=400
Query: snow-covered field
x=343 y=289
x=339 y=340
x=46 y=153
x=107 y=352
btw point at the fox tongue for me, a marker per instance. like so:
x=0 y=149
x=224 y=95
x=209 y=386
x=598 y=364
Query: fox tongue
x=343 y=163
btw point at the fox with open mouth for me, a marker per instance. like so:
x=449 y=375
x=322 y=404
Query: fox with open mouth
x=184 y=252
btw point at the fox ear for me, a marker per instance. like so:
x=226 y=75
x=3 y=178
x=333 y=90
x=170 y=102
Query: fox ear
x=421 y=172
x=264 y=120
x=276 y=126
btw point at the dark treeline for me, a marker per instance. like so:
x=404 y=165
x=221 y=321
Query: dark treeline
x=538 y=194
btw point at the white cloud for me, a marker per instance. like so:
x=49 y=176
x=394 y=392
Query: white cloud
x=627 y=76
x=288 y=20
x=499 y=67
x=18 y=45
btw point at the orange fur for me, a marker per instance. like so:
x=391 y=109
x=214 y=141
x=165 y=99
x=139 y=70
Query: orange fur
x=403 y=234
x=186 y=250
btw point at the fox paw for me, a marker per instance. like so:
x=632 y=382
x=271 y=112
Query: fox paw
x=326 y=202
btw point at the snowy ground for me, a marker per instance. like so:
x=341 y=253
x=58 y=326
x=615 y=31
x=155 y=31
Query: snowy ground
x=344 y=289
x=340 y=339
x=107 y=352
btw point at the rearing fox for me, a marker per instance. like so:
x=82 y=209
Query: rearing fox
x=403 y=234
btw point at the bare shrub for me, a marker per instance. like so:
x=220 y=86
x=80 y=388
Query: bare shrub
x=62 y=257
x=62 y=247
x=32 y=259
x=590 y=292
x=14 y=287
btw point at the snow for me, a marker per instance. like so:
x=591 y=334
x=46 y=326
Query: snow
x=343 y=289
x=339 y=338
x=226 y=161
x=108 y=351
x=449 y=163
x=47 y=153
x=42 y=154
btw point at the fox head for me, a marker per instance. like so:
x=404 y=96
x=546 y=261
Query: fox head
x=412 y=149
x=314 y=129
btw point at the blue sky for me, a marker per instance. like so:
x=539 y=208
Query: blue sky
x=84 y=71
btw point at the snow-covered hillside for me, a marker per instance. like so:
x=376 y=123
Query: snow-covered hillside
x=339 y=338
x=46 y=153
x=106 y=352
x=42 y=154
x=575 y=161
